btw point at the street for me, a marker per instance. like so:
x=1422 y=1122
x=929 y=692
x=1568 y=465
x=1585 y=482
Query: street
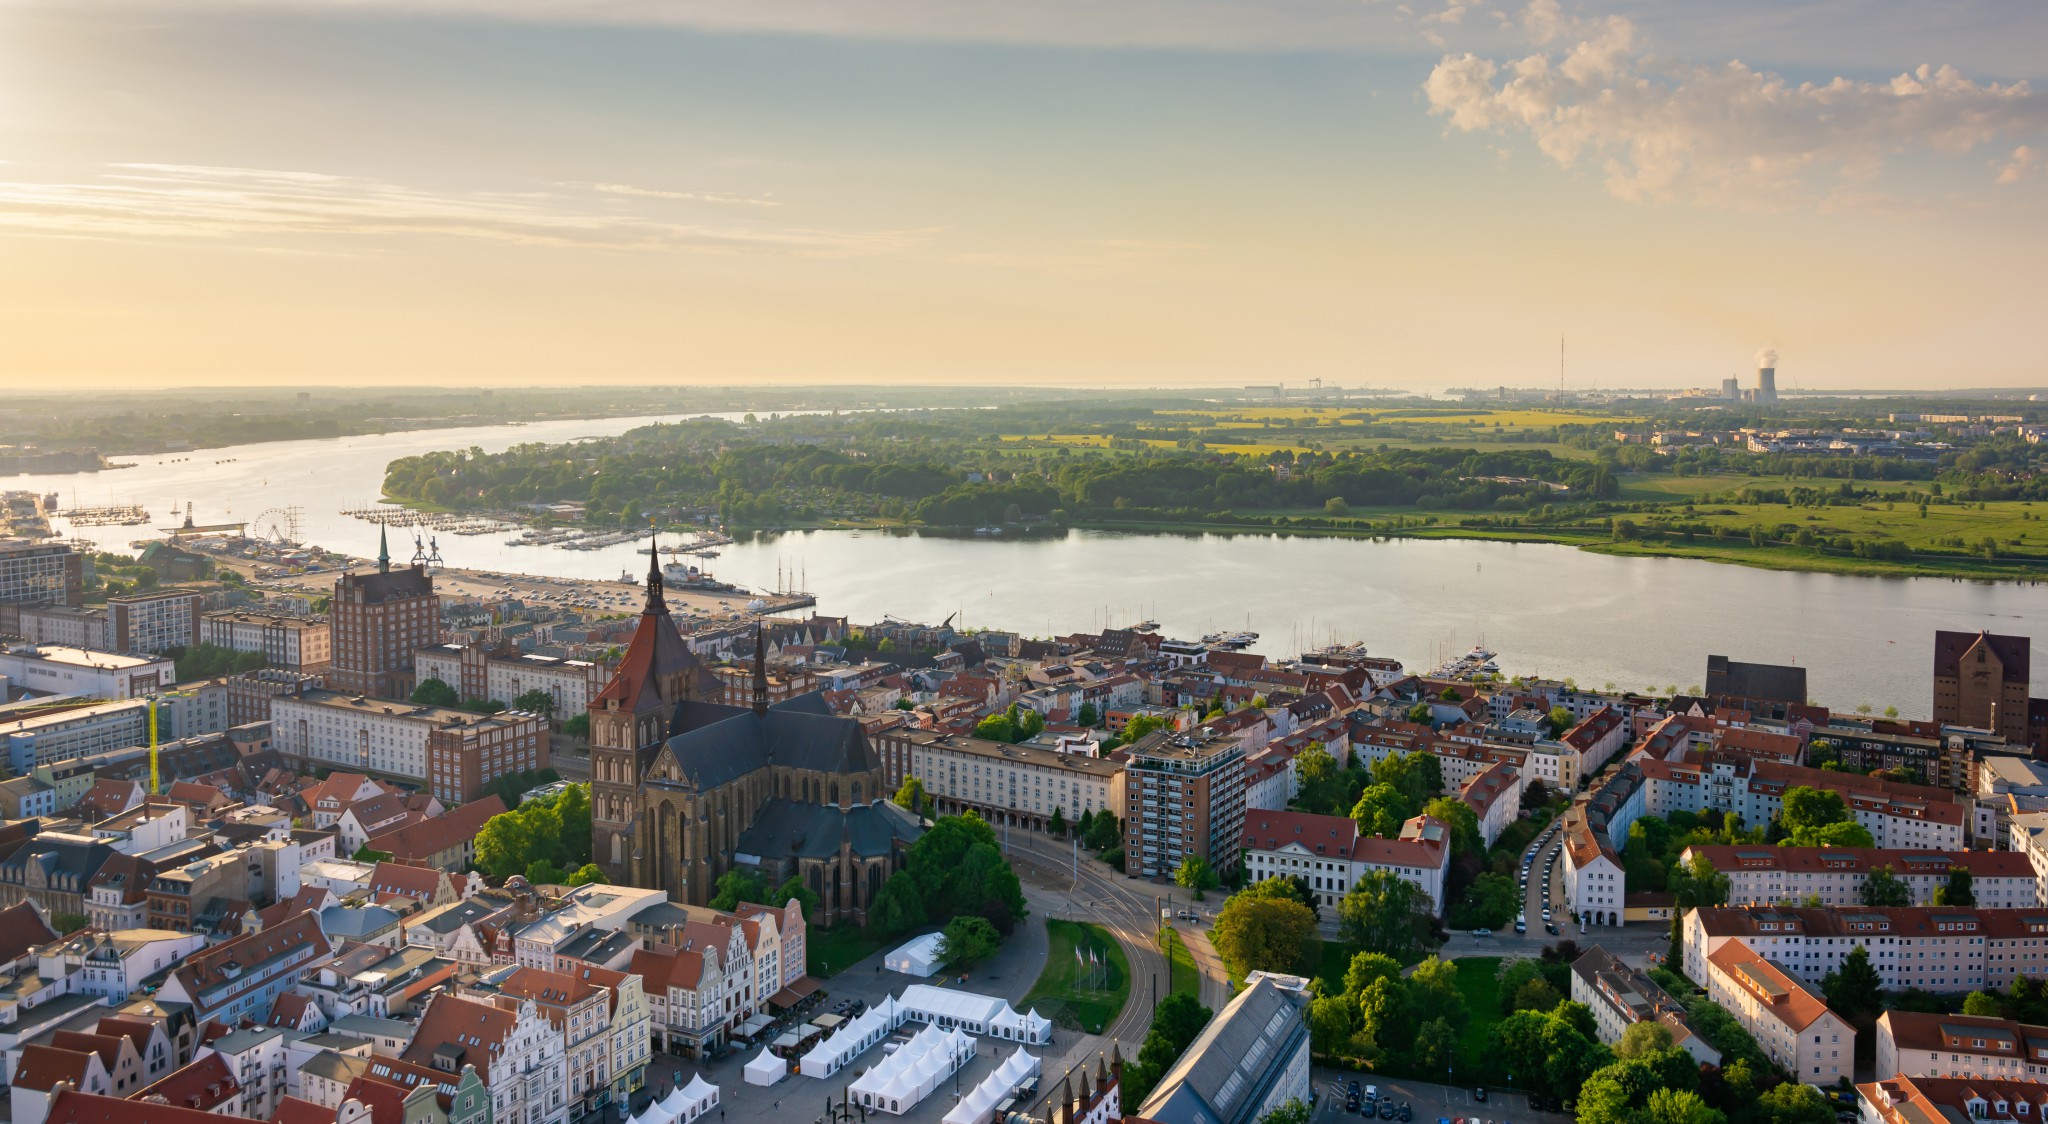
x=1430 y=1102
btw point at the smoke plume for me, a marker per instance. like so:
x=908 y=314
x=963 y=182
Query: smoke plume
x=1768 y=357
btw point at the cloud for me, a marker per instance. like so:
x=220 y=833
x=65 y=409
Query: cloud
x=184 y=201
x=683 y=196
x=1730 y=135
x=2026 y=163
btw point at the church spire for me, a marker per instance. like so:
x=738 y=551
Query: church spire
x=657 y=605
x=760 y=669
x=383 y=549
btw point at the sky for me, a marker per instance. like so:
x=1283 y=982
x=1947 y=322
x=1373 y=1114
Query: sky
x=1071 y=192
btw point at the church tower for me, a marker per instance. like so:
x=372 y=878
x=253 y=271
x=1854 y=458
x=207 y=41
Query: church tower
x=629 y=720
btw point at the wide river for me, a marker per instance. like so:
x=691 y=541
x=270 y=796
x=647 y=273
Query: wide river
x=1551 y=610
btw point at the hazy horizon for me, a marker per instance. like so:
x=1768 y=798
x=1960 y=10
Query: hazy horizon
x=1057 y=193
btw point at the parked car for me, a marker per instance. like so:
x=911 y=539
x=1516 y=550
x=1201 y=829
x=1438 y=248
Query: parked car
x=1551 y=929
x=1521 y=927
x=1351 y=1102
x=1406 y=1113
x=1386 y=1110
x=1479 y=1094
x=1482 y=932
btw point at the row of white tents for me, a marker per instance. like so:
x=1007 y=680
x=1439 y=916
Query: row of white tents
x=854 y=1039
x=939 y=1007
x=898 y=1082
x=975 y=1107
x=683 y=1103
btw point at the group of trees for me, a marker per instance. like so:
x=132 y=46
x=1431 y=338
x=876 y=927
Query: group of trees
x=1176 y=1022
x=1884 y=887
x=1269 y=927
x=1812 y=817
x=1011 y=726
x=1651 y=859
x=205 y=661
x=546 y=839
x=1389 y=1021
x=954 y=869
x=1385 y=913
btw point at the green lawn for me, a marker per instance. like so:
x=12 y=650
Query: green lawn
x=1064 y=993
x=841 y=947
x=1478 y=981
x=1182 y=975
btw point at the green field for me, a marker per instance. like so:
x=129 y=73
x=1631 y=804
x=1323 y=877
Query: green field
x=1182 y=975
x=1062 y=992
x=841 y=947
x=1479 y=983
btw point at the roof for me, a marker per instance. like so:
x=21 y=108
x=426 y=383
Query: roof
x=292 y=1110
x=204 y=1084
x=788 y=827
x=392 y=585
x=73 y=1107
x=656 y=651
x=423 y=840
x=1936 y=1100
x=1863 y=860
x=664 y=967
x=2015 y=652
x=463 y=1030
x=1786 y=998
x=41 y=1067
x=1921 y=1030
x=711 y=744
x=238 y=959
x=1225 y=1074
x=22 y=928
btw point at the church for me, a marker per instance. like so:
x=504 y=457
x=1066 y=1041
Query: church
x=684 y=788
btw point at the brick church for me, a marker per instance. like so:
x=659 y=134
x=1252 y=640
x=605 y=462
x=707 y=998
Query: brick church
x=684 y=788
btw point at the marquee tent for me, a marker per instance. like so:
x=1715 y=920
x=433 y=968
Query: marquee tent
x=919 y=957
x=766 y=1069
x=975 y=1014
x=853 y=1040
x=975 y=1107
x=699 y=1097
x=898 y=1082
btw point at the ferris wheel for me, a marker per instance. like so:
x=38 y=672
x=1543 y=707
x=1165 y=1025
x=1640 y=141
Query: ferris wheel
x=277 y=524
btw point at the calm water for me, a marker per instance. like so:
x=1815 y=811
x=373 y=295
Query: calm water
x=1546 y=609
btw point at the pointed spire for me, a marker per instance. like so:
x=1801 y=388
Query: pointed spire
x=1101 y=1068
x=760 y=669
x=383 y=549
x=657 y=605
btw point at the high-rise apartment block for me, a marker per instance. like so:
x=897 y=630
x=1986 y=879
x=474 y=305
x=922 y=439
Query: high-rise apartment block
x=377 y=622
x=1184 y=795
x=41 y=573
x=154 y=622
x=1981 y=679
x=295 y=643
x=456 y=753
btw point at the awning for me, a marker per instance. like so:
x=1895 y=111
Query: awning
x=793 y=994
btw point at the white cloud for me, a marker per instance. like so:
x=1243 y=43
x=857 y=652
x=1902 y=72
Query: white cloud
x=681 y=196
x=1662 y=129
x=2026 y=163
x=266 y=207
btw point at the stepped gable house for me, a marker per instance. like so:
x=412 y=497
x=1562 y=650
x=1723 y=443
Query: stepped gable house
x=684 y=788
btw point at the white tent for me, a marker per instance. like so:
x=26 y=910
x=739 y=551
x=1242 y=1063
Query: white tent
x=699 y=1097
x=668 y=1110
x=766 y=1069
x=919 y=957
x=975 y=1107
x=946 y=1008
x=898 y=1082
x=1021 y=1026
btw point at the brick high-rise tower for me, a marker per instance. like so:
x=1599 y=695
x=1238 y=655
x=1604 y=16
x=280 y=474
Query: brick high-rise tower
x=1981 y=679
x=377 y=622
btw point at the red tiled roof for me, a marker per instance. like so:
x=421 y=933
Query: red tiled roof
x=205 y=1084
x=420 y=841
x=292 y=1110
x=478 y=1029
x=22 y=928
x=1785 y=998
x=41 y=1067
x=72 y=1107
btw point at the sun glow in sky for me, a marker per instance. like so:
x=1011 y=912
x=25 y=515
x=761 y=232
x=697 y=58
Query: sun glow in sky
x=1092 y=192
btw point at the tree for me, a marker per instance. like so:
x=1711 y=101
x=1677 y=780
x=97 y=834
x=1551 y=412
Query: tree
x=1463 y=822
x=1279 y=888
x=1104 y=832
x=1178 y=1020
x=793 y=887
x=1883 y=887
x=1295 y=1110
x=1366 y=967
x=1087 y=715
x=912 y=796
x=535 y=701
x=1844 y=834
x=578 y=726
x=1958 y=890
x=588 y=874
x=1677 y=1106
x=1560 y=719
x=1381 y=810
x=1853 y=989
x=1489 y=902
x=1646 y=1037
x=1315 y=777
x=1805 y=807
x=1057 y=824
x=434 y=692
x=1421 y=714
x=1981 y=1003
x=897 y=907
x=738 y=885
x=68 y=923
x=1794 y=1103
x=1259 y=932
x=1386 y=913
x=1436 y=1045
x=1195 y=874
x=968 y=940
x=541 y=872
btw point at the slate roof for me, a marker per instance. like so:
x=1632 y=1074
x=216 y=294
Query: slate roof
x=395 y=585
x=788 y=827
x=713 y=743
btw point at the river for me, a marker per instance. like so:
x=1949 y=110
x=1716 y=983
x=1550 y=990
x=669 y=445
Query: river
x=1549 y=610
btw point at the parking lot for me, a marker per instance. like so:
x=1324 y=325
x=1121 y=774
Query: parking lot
x=1428 y=1102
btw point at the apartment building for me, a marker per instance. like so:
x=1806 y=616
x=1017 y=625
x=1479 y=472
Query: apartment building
x=1921 y=1100
x=456 y=753
x=61 y=625
x=1332 y=855
x=1183 y=795
x=1495 y=797
x=154 y=622
x=289 y=643
x=1932 y=948
x=67 y=735
x=1762 y=875
x=1620 y=997
x=251 y=693
x=1019 y=784
x=1928 y=1044
x=578 y=1011
x=1593 y=882
x=41 y=573
x=505 y=673
x=1898 y=816
x=1784 y=1013
x=516 y=1052
x=377 y=622
x=240 y=978
x=52 y=669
